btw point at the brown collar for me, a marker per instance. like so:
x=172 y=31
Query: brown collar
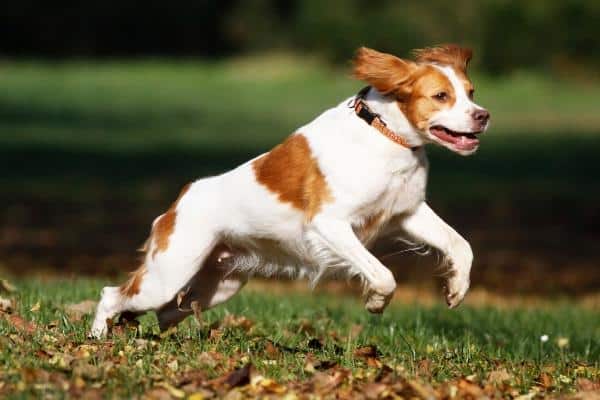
x=364 y=112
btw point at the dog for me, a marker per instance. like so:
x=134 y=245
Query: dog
x=313 y=205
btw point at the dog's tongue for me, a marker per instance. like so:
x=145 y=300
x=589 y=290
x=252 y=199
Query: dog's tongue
x=466 y=143
x=460 y=141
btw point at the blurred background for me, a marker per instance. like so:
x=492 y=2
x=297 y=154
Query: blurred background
x=108 y=108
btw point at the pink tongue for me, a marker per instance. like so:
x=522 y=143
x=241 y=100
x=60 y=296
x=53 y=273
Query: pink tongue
x=466 y=143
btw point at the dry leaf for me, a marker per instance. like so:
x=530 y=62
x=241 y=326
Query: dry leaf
x=587 y=385
x=271 y=350
x=499 y=376
x=231 y=321
x=22 y=324
x=545 y=380
x=366 y=351
x=6 y=305
x=6 y=286
x=35 y=307
x=177 y=393
x=239 y=377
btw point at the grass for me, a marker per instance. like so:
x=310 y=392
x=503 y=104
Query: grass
x=428 y=343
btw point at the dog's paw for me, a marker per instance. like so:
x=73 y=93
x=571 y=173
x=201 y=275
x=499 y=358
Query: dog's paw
x=455 y=290
x=97 y=332
x=376 y=302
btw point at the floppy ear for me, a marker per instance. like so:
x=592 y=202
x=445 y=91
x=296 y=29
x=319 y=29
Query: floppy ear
x=385 y=72
x=447 y=54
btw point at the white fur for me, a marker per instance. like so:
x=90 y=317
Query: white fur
x=366 y=173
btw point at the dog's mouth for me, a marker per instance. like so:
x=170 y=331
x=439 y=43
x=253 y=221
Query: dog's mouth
x=464 y=141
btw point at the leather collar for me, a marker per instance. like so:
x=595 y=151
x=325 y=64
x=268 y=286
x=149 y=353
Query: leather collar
x=363 y=111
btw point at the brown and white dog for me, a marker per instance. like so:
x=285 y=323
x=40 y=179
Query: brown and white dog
x=313 y=205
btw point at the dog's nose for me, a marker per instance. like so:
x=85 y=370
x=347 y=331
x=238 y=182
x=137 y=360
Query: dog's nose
x=482 y=116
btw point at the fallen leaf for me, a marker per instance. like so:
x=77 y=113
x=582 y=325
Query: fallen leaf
x=271 y=350
x=22 y=324
x=173 y=391
x=499 y=376
x=35 y=307
x=421 y=390
x=232 y=321
x=545 y=380
x=6 y=305
x=239 y=377
x=468 y=388
x=6 y=286
x=424 y=368
x=373 y=390
x=87 y=371
x=588 y=385
x=366 y=351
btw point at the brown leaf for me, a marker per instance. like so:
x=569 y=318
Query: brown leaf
x=373 y=390
x=421 y=390
x=545 y=380
x=326 y=382
x=6 y=286
x=467 y=388
x=587 y=385
x=499 y=376
x=86 y=370
x=6 y=305
x=424 y=367
x=271 y=350
x=76 y=311
x=373 y=362
x=366 y=351
x=21 y=324
x=232 y=321
x=239 y=377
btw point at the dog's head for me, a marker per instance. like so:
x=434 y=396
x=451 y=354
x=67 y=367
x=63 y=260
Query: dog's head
x=433 y=92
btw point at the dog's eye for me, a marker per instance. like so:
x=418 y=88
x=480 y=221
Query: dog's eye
x=441 y=96
x=471 y=93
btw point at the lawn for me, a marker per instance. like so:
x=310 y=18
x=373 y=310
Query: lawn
x=294 y=344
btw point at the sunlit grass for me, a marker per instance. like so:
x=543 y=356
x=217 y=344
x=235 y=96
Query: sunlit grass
x=464 y=342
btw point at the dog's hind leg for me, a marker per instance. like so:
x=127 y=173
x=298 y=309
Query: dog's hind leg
x=171 y=262
x=212 y=285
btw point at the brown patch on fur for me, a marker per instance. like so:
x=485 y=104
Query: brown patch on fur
x=165 y=225
x=449 y=54
x=369 y=226
x=132 y=286
x=420 y=105
x=290 y=171
x=161 y=232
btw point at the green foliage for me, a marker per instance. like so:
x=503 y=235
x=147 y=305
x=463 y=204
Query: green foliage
x=507 y=35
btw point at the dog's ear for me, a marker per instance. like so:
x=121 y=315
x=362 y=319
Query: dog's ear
x=385 y=72
x=447 y=54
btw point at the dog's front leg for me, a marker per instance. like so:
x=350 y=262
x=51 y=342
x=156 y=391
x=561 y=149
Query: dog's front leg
x=424 y=225
x=339 y=238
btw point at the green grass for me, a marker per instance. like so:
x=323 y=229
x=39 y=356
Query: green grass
x=467 y=342
x=143 y=106
x=79 y=124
